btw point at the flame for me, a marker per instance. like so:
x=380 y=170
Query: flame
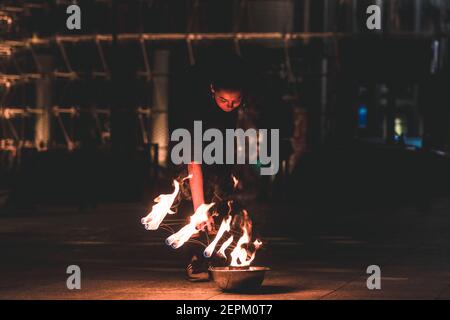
x=235 y=181
x=184 y=234
x=257 y=244
x=162 y=207
x=241 y=257
x=225 y=245
x=225 y=226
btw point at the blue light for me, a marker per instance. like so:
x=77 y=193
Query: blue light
x=414 y=141
x=362 y=116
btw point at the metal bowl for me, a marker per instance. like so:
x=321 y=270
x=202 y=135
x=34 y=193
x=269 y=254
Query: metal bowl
x=238 y=279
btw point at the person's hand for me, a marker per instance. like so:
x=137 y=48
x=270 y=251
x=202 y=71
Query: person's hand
x=207 y=226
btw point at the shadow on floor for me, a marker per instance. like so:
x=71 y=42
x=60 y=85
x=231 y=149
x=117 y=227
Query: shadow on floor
x=269 y=289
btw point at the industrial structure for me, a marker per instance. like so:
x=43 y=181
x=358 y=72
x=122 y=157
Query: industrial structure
x=109 y=85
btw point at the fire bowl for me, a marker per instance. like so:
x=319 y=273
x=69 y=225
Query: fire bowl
x=237 y=278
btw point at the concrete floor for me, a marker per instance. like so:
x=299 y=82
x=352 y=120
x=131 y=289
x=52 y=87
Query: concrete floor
x=312 y=257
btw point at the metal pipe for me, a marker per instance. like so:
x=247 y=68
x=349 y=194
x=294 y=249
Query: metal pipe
x=160 y=117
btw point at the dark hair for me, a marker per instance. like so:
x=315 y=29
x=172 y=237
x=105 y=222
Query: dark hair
x=229 y=73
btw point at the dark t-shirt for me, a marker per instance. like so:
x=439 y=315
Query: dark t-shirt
x=205 y=109
x=198 y=105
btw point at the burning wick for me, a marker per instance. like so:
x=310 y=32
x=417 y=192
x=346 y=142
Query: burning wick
x=162 y=207
x=225 y=226
x=225 y=245
x=184 y=234
x=241 y=255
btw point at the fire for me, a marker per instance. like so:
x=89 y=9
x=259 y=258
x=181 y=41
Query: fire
x=235 y=181
x=257 y=244
x=184 y=234
x=225 y=245
x=162 y=207
x=225 y=226
x=241 y=255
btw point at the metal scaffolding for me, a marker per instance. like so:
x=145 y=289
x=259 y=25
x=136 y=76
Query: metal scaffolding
x=9 y=49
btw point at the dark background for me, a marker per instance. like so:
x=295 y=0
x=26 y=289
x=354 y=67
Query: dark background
x=396 y=152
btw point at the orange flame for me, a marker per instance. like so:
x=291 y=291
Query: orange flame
x=184 y=234
x=162 y=207
x=225 y=245
x=225 y=226
x=235 y=181
x=241 y=257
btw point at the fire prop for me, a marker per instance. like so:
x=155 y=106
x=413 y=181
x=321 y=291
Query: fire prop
x=201 y=215
x=162 y=207
x=242 y=253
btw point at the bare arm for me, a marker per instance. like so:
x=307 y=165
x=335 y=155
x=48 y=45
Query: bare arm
x=198 y=197
x=196 y=184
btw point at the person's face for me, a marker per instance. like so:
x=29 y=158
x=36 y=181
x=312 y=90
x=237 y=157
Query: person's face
x=227 y=100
